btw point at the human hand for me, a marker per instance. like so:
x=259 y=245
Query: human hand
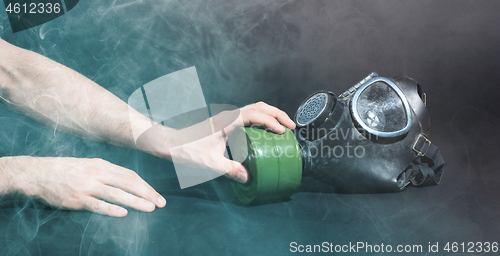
x=77 y=184
x=271 y=117
x=196 y=149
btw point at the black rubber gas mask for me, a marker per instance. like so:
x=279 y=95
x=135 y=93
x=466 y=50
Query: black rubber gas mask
x=373 y=138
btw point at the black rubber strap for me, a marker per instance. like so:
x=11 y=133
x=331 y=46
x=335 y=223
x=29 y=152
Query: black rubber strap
x=426 y=170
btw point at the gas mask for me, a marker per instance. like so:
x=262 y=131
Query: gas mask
x=373 y=138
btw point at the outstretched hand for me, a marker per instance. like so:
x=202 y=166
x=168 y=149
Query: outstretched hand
x=82 y=184
x=207 y=152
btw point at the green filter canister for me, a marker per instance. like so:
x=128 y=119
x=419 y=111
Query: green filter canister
x=274 y=163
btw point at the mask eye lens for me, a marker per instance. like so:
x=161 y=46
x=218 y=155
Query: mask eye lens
x=381 y=108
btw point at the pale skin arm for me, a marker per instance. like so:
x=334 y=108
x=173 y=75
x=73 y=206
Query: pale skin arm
x=65 y=100
x=78 y=184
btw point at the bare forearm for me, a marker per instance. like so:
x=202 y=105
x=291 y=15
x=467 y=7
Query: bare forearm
x=63 y=99
x=5 y=178
x=12 y=175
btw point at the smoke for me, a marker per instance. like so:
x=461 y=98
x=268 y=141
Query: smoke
x=122 y=45
x=278 y=51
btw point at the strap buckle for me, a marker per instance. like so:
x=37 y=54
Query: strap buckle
x=421 y=145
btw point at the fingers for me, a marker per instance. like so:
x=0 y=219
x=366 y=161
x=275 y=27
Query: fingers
x=265 y=120
x=264 y=114
x=118 y=196
x=235 y=171
x=129 y=181
x=280 y=115
x=98 y=206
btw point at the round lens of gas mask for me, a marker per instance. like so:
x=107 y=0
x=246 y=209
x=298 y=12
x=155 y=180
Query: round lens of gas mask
x=312 y=108
x=381 y=108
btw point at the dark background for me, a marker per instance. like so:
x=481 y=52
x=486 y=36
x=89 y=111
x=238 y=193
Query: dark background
x=278 y=52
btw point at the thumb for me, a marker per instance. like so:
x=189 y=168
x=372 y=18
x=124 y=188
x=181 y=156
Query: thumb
x=235 y=171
